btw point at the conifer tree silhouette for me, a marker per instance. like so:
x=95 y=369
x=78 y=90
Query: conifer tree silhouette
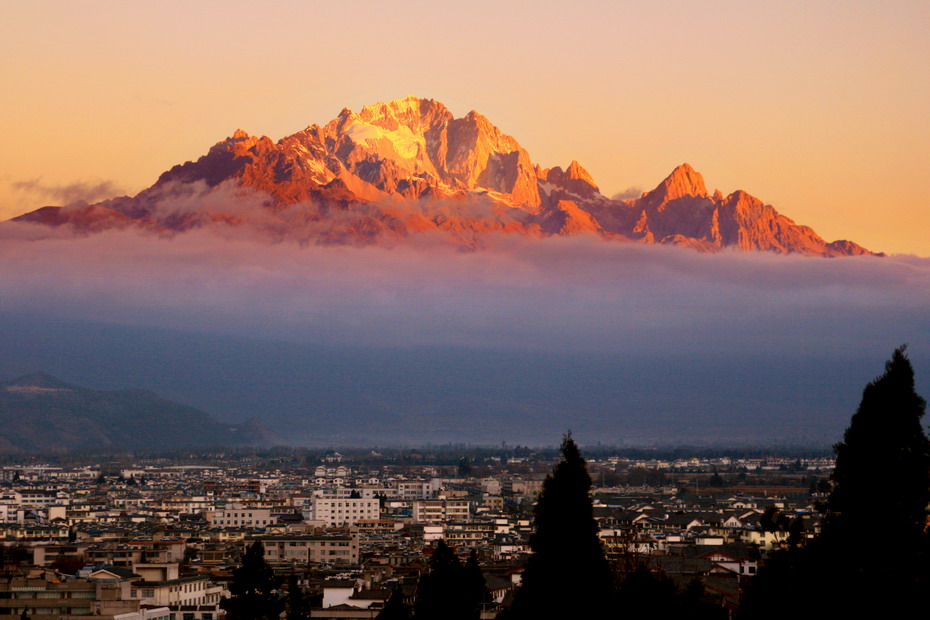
x=567 y=576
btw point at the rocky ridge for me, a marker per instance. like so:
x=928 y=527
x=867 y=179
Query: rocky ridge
x=408 y=166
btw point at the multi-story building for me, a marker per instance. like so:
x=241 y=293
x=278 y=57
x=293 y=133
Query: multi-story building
x=239 y=516
x=302 y=549
x=441 y=510
x=74 y=599
x=470 y=534
x=341 y=511
x=178 y=591
x=419 y=489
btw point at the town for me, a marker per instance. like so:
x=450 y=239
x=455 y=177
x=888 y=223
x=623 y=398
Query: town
x=160 y=537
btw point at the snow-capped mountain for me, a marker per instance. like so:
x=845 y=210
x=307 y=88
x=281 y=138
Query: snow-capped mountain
x=408 y=167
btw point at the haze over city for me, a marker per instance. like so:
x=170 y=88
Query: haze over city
x=599 y=325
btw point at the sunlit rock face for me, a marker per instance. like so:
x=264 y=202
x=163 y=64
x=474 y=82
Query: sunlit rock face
x=680 y=211
x=408 y=167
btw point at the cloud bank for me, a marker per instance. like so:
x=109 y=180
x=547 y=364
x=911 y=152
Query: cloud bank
x=561 y=332
x=561 y=293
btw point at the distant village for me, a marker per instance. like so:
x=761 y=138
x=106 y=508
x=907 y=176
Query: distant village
x=157 y=540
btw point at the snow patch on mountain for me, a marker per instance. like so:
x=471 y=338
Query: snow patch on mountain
x=403 y=141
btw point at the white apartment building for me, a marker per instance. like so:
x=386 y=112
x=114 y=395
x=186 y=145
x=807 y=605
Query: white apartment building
x=341 y=511
x=419 y=489
x=441 y=510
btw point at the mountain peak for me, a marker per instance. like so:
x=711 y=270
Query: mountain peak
x=575 y=179
x=575 y=171
x=412 y=151
x=39 y=381
x=411 y=111
x=683 y=181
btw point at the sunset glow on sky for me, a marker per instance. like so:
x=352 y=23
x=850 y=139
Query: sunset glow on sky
x=820 y=109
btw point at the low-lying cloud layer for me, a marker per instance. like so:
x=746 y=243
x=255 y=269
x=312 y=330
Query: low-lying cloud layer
x=579 y=298
x=578 y=293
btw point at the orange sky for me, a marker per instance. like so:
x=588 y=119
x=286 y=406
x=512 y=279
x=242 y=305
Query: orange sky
x=818 y=108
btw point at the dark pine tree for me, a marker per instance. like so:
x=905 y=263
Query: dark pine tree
x=476 y=589
x=881 y=489
x=883 y=460
x=442 y=594
x=254 y=589
x=297 y=605
x=796 y=532
x=871 y=557
x=567 y=575
x=464 y=468
x=395 y=608
x=769 y=519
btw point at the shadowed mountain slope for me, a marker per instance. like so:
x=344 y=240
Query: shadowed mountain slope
x=41 y=413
